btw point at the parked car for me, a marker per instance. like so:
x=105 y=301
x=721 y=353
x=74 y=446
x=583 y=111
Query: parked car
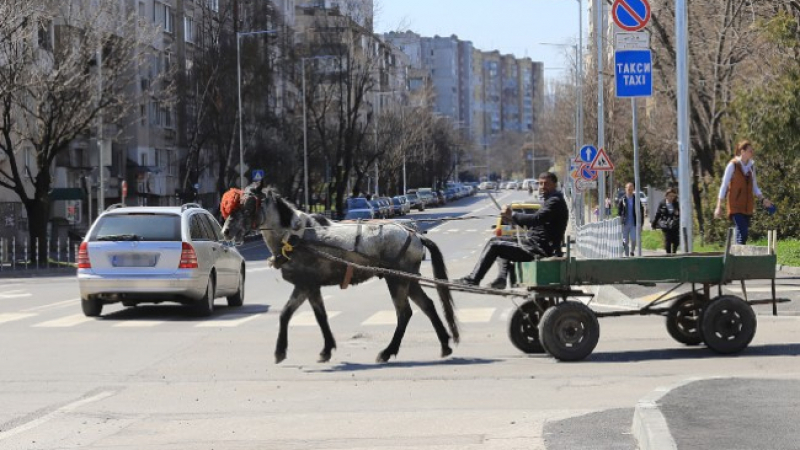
x=400 y=205
x=358 y=208
x=155 y=254
x=415 y=202
x=501 y=229
x=386 y=206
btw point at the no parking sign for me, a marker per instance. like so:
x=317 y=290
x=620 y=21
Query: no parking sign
x=631 y=15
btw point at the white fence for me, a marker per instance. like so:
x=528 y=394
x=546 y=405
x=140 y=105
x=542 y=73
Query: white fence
x=16 y=254
x=600 y=240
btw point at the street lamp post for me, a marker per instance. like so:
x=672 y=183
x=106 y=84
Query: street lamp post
x=239 y=35
x=305 y=123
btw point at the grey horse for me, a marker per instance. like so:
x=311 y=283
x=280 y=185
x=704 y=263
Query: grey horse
x=292 y=235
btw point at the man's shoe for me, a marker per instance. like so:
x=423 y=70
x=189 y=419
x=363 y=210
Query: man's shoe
x=499 y=283
x=466 y=280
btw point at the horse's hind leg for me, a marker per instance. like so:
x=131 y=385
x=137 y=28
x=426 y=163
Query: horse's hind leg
x=315 y=298
x=295 y=300
x=426 y=305
x=399 y=291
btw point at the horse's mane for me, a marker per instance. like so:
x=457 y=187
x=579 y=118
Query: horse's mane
x=285 y=210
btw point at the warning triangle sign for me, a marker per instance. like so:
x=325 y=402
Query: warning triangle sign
x=602 y=162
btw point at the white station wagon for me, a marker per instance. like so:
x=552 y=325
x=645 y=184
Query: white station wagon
x=157 y=254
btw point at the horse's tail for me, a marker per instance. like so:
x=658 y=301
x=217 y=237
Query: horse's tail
x=440 y=272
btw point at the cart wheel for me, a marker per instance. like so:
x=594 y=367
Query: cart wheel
x=683 y=319
x=728 y=324
x=523 y=327
x=569 y=331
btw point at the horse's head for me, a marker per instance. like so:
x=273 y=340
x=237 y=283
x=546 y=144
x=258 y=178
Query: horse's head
x=254 y=208
x=241 y=211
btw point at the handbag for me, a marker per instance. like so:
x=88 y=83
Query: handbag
x=667 y=223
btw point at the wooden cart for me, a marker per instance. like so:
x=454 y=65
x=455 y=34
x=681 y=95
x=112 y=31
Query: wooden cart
x=553 y=321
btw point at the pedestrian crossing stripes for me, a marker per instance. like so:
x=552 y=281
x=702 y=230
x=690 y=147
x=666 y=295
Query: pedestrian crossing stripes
x=234 y=319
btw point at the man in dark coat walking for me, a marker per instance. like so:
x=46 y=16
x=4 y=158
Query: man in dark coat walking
x=545 y=236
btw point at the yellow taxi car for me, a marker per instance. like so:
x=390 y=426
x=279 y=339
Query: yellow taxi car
x=501 y=229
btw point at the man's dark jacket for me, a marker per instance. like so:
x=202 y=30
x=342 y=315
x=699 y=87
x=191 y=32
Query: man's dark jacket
x=622 y=208
x=546 y=227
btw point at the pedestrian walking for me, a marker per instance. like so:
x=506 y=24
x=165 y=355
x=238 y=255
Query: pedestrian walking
x=738 y=187
x=626 y=207
x=667 y=219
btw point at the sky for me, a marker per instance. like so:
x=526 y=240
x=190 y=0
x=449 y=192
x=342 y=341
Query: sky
x=515 y=27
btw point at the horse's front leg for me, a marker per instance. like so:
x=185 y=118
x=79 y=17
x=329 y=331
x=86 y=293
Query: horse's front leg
x=295 y=300
x=399 y=291
x=317 y=304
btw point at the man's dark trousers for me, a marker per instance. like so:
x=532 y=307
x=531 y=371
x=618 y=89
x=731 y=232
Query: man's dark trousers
x=505 y=248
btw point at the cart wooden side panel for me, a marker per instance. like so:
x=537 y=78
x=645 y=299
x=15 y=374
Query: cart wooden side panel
x=705 y=268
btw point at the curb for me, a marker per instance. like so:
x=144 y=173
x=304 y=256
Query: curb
x=35 y=273
x=791 y=270
x=650 y=428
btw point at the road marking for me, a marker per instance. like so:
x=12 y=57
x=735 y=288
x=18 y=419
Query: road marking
x=59 y=412
x=11 y=317
x=475 y=315
x=506 y=313
x=472 y=231
x=15 y=293
x=387 y=317
x=68 y=321
x=778 y=289
x=228 y=321
x=139 y=323
x=651 y=297
x=307 y=319
x=465 y=315
x=53 y=305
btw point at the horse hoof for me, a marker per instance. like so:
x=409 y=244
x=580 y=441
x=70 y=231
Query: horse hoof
x=382 y=358
x=279 y=357
x=324 y=357
x=446 y=351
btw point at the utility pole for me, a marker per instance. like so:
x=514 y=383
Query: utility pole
x=101 y=189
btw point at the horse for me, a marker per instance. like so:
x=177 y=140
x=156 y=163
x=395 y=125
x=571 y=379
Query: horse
x=292 y=237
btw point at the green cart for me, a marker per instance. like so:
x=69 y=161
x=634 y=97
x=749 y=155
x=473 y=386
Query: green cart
x=549 y=321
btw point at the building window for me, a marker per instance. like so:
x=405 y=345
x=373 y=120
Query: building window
x=143 y=159
x=162 y=15
x=188 y=29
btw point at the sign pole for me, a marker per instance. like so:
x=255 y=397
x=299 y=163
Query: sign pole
x=601 y=189
x=684 y=169
x=637 y=197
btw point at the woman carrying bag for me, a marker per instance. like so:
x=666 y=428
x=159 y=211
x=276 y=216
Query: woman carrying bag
x=667 y=219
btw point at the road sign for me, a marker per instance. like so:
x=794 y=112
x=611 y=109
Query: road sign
x=631 y=15
x=587 y=173
x=633 y=70
x=632 y=41
x=602 y=163
x=587 y=153
x=258 y=175
x=583 y=185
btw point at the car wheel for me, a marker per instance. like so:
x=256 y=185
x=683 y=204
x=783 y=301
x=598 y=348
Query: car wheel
x=205 y=306
x=236 y=300
x=92 y=307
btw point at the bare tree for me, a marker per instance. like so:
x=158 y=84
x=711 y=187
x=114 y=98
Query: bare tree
x=52 y=89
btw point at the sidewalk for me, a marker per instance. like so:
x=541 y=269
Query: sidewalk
x=720 y=414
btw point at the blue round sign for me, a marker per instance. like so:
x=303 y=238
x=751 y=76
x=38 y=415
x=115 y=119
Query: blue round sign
x=631 y=15
x=587 y=153
x=587 y=173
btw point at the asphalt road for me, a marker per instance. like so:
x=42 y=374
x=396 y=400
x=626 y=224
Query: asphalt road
x=154 y=377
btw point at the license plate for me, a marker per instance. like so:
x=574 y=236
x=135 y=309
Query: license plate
x=134 y=260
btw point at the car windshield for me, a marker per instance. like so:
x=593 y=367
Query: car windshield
x=357 y=203
x=137 y=227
